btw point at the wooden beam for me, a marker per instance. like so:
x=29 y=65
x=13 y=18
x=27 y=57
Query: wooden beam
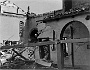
x=53 y=49
x=42 y=43
x=60 y=58
x=12 y=15
x=47 y=43
x=29 y=45
x=75 y=40
x=8 y=47
x=72 y=48
x=18 y=54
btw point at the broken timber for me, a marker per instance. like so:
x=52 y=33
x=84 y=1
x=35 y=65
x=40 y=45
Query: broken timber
x=48 y=43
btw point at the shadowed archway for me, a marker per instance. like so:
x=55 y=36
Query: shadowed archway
x=33 y=35
x=70 y=51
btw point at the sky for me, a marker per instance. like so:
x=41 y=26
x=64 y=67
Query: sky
x=39 y=6
x=9 y=27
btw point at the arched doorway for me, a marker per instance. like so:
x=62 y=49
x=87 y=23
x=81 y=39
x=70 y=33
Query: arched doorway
x=75 y=54
x=33 y=35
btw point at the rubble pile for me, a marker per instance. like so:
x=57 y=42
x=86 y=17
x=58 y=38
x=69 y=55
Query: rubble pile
x=6 y=62
x=21 y=64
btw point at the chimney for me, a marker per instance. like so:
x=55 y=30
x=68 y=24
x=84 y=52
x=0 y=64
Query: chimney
x=0 y=8
x=67 y=4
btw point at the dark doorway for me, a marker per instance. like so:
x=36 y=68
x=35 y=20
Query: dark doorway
x=33 y=35
x=44 y=50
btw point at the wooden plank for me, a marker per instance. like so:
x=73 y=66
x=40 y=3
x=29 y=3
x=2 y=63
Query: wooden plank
x=60 y=58
x=18 y=54
x=72 y=49
x=44 y=63
x=12 y=15
x=53 y=49
x=75 y=40
x=29 y=45
x=42 y=43
x=8 y=47
x=47 y=43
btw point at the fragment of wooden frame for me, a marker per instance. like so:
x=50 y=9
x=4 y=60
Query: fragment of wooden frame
x=48 y=43
x=75 y=40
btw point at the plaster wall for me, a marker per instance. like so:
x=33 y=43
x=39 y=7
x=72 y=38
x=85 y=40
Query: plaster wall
x=30 y=24
x=9 y=27
x=48 y=32
x=82 y=55
x=57 y=26
x=80 y=49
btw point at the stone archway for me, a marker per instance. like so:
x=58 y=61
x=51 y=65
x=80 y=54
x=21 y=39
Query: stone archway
x=75 y=53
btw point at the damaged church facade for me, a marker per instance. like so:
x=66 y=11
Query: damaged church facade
x=71 y=25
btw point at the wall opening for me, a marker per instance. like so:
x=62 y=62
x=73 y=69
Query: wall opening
x=33 y=35
x=72 y=53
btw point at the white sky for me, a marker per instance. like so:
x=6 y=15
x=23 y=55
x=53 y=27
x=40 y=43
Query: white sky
x=10 y=26
x=38 y=6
